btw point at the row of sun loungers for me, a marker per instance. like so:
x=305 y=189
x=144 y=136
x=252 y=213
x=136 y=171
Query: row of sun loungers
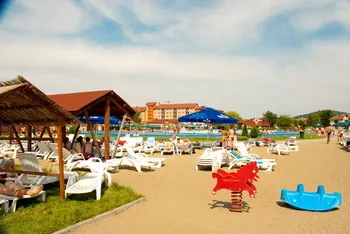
x=214 y=157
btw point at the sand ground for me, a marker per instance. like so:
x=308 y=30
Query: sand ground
x=180 y=200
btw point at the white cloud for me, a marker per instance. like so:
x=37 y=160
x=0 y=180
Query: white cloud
x=286 y=83
x=312 y=19
x=248 y=85
x=46 y=17
x=227 y=24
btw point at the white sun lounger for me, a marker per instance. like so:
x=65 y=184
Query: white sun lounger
x=89 y=182
x=40 y=196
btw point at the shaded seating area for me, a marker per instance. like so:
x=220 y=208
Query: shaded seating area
x=22 y=104
x=104 y=103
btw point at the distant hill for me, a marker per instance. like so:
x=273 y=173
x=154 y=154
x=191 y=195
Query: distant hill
x=316 y=112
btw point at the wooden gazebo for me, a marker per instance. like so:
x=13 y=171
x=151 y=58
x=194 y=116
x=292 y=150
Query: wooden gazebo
x=23 y=104
x=95 y=103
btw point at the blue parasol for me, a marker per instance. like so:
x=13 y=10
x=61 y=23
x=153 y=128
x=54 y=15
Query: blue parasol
x=342 y=124
x=100 y=120
x=208 y=115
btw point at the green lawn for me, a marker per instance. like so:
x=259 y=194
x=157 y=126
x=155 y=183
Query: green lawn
x=54 y=214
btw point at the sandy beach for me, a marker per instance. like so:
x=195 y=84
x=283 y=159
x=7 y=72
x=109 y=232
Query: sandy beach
x=180 y=199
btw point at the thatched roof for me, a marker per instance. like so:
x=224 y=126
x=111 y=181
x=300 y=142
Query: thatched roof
x=21 y=103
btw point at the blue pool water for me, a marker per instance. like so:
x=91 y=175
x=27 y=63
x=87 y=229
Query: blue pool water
x=160 y=134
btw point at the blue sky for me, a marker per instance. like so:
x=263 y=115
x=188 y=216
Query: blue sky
x=289 y=57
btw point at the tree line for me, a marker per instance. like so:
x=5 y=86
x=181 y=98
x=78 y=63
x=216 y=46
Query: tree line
x=287 y=122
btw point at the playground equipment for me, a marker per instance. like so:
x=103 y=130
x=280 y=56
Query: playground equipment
x=237 y=182
x=311 y=201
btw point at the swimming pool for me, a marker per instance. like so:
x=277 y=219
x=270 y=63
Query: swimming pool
x=189 y=134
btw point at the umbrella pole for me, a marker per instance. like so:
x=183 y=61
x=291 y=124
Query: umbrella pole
x=118 y=137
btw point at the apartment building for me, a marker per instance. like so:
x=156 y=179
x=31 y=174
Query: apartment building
x=155 y=111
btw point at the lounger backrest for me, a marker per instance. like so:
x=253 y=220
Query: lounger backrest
x=151 y=141
x=29 y=162
x=43 y=148
x=242 y=149
x=65 y=152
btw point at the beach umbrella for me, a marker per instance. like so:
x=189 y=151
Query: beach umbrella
x=155 y=125
x=342 y=124
x=208 y=115
x=100 y=120
x=131 y=125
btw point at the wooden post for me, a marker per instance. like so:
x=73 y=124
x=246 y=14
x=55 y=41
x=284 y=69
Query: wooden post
x=64 y=131
x=92 y=134
x=16 y=135
x=75 y=136
x=107 y=128
x=60 y=158
x=29 y=134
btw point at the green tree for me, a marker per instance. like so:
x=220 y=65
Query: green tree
x=254 y=132
x=325 y=116
x=245 y=131
x=137 y=118
x=234 y=115
x=270 y=117
x=71 y=129
x=302 y=124
x=295 y=122
x=312 y=119
x=284 y=121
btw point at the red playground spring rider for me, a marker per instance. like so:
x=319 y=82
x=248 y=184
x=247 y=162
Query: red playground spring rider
x=237 y=182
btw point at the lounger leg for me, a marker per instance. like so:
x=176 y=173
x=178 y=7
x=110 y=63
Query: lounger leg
x=5 y=206
x=13 y=206
x=98 y=191
x=138 y=168
x=42 y=197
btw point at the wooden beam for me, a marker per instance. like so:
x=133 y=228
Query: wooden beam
x=9 y=108
x=50 y=134
x=92 y=134
x=19 y=122
x=60 y=158
x=42 y=132
x=119 y=106
x=75 y=136
x=27 y=138
x=107 y=128
x=30 y=172
x=29 y=135
x=17 y=136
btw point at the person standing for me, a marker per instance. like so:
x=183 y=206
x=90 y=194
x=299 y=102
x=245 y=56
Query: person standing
x=232 y=137
x=224 y=135
x=329 y=132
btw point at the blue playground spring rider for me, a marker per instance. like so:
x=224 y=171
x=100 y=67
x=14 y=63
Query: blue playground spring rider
x=311 y=201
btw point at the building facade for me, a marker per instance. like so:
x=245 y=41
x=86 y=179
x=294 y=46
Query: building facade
x=339 y=118
x=157 y=112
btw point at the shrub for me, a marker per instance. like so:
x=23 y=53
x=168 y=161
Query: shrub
x=242 y=138
x=254 y=132
x=245 y=131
